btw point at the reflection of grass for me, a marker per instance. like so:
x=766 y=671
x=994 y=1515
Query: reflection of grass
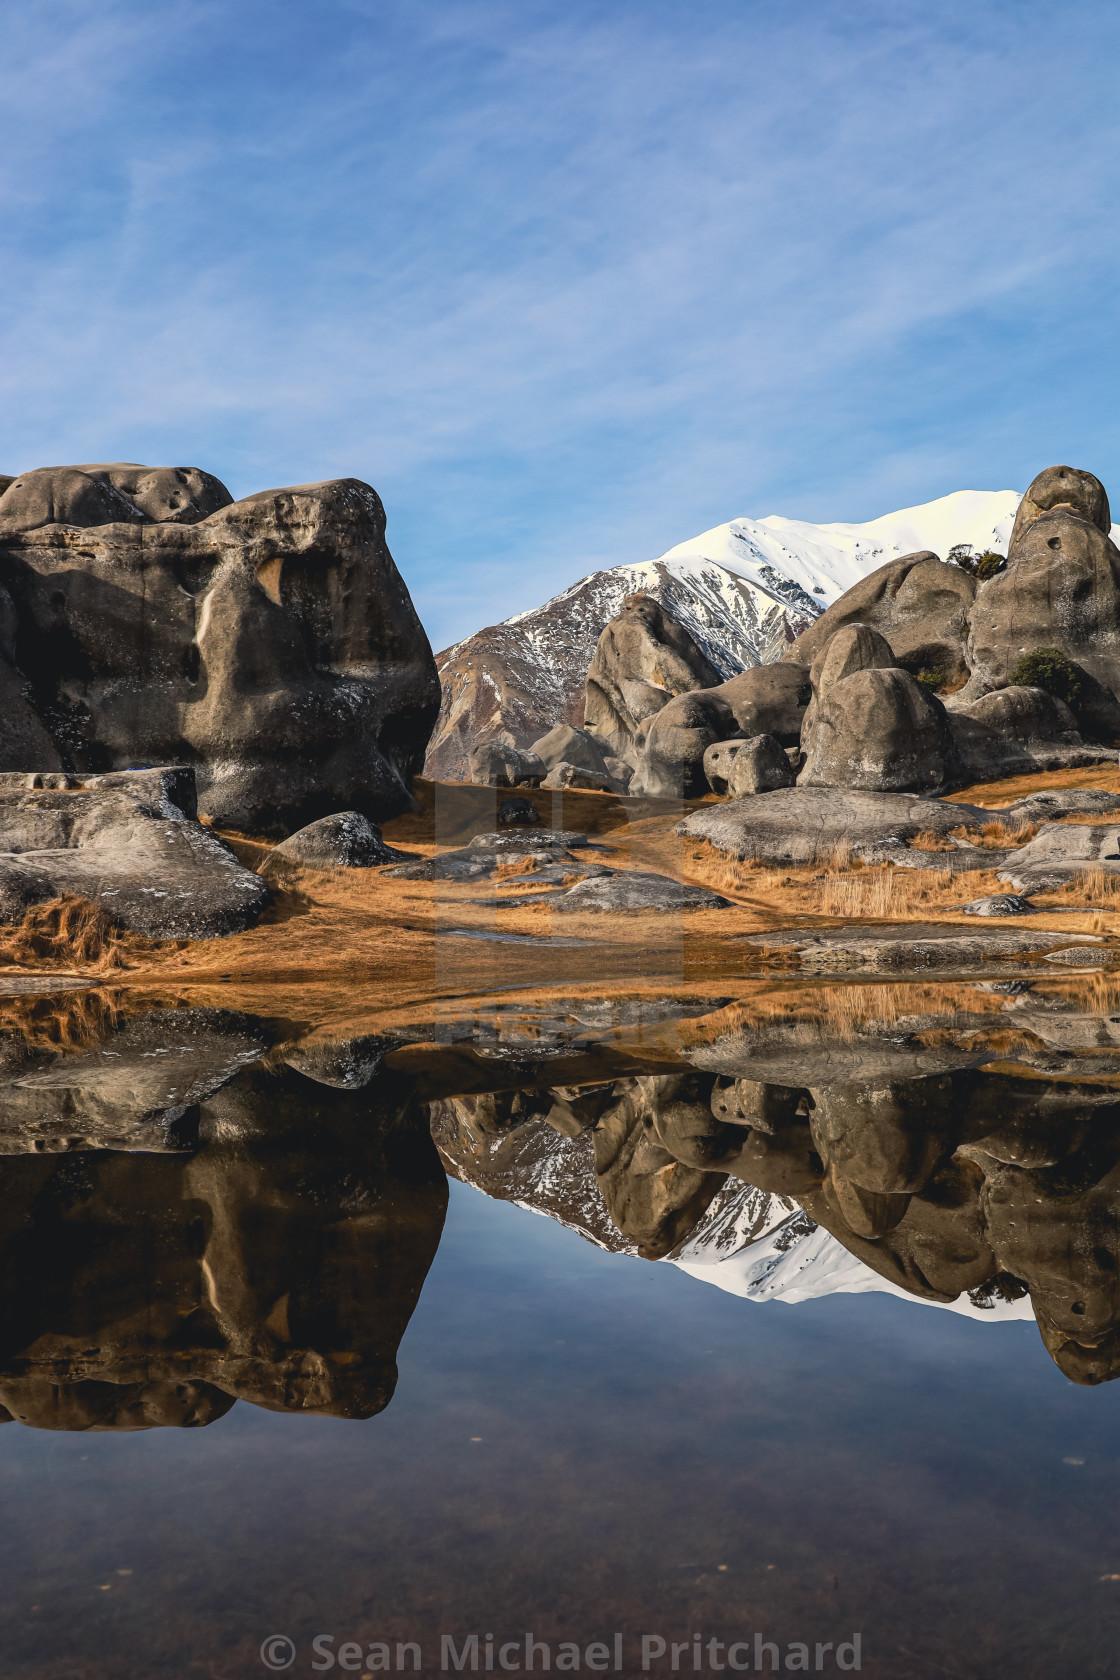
x=62 y=1020
x=70 y=932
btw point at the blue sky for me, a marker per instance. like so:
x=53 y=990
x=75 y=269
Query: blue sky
x=567 y=282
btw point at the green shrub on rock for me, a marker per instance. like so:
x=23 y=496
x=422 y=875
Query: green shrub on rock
x=932 y=676
x=989 y=564
x=1049 y=669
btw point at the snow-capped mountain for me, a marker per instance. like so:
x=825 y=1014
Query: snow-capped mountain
x=744 y=590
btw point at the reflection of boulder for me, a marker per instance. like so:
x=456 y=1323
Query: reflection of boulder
x=1058 y=1229
x=279 y=1264
x=139 y=1087
x=270 y=642
x=652 y=1198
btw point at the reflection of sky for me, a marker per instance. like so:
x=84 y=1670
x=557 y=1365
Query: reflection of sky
x=578 y=1442
x=570 y=283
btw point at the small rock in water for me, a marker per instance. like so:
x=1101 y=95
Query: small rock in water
x=1000 y=904
x=517 y=813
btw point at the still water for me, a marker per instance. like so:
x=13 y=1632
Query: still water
x=569 y=1327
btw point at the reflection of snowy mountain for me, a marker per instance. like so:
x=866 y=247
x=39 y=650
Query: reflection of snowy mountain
x=744 y=590
x=765 y=1248
x=750 y=1242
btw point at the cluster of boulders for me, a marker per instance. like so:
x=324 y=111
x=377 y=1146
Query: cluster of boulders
x=908 y=683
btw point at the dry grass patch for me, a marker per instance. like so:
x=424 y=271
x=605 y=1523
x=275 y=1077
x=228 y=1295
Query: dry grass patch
x=72 y=933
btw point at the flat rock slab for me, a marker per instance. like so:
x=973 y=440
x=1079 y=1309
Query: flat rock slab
x=607 y=889
x=911 y=948
x=636 y=890
x=124 y=844
x=1060 y=852
x=517 y=840
x=806 y=825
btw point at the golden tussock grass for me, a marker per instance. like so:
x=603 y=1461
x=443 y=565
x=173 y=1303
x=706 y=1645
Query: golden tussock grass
x=1095 y=889
x=69 y=933
x=844 y=888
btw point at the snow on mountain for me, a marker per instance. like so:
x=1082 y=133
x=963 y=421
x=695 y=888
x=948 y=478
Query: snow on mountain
x=765 y=1248
x=744 y=590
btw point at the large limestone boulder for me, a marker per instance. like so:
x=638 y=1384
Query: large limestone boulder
x=129 y=842
x=496 y=764
x=870 y=725
x=769 y=700
x=1016 y=732
x=343 y=841
x=643 y=659
x=739 y=768
x=146 y=618
x=1069 y=489
x=919 y=603
x=565 y=744
x=670 y=748
x=1061 y=589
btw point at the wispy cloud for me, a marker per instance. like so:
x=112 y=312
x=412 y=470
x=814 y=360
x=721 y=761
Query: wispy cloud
x=566 y=282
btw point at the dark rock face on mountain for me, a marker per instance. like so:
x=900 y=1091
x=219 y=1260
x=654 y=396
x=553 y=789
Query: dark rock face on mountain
x=919 y=603
x=1060 y=588
x=129 y=842
x=642 y=661
x=145 y=618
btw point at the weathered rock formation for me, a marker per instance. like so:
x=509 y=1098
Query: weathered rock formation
x=919 y=603
x=1060 y=588
x=642 y=661
x=146 y=618
x=494 y=764
x=870 y=725
x=344 y=841
x=128 y=841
